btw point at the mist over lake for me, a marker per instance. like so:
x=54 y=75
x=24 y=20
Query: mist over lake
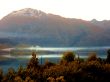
x=14 y=61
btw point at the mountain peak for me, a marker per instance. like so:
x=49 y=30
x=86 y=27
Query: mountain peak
x=28 y=12
x=94 y=20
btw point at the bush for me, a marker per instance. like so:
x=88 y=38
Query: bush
x=92 y=56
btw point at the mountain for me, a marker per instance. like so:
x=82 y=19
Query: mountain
x=31 y=26
x=103 y=24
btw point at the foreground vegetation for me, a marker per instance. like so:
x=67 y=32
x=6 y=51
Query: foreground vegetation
x=69 y=69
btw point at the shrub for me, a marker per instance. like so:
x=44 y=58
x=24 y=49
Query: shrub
x=92 y=56
x=18 y=79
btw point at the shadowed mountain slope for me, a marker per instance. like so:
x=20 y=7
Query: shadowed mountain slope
x=36 y=27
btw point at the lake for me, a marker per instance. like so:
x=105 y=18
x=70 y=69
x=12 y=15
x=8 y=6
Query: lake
x=54 y=55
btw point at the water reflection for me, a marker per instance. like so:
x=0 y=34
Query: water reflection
x=51 y=52
x=29 y=56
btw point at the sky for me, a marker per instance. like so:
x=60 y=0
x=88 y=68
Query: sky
x=81 y=9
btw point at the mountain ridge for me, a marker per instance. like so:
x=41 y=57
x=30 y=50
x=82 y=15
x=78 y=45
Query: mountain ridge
x=52 y=30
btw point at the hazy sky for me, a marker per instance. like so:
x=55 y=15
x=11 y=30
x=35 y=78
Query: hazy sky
x=81 y=9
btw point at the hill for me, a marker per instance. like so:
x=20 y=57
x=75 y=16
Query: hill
x=36 y=27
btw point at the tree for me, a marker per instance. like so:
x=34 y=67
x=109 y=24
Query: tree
x=1 y=74
x=108 y=56
x=69 y=56
x=11 y=74
x=33 y=63
x=21 y=72
x=48 y=64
